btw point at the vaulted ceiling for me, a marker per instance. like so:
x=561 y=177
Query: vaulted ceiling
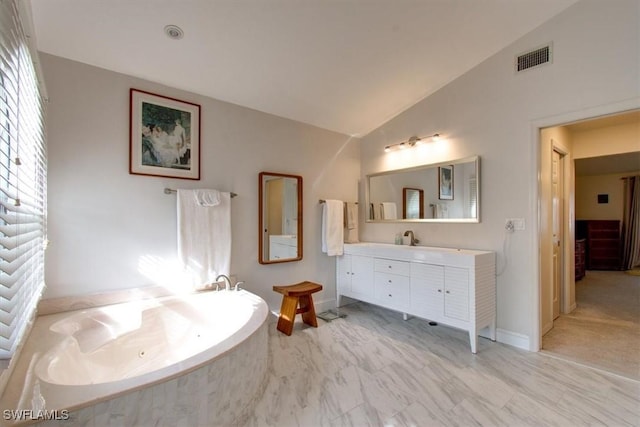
x=343 y=65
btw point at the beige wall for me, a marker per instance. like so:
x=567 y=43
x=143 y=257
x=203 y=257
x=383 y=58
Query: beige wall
x=587 y=190
x=606 y=141
x=110 y=230
x=495 y=113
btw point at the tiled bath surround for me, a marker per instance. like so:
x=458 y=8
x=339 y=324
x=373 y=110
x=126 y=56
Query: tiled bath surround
x=217 y=387
x=223 y=392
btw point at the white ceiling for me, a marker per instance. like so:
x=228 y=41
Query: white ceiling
x=605 y=165
x=343 y=65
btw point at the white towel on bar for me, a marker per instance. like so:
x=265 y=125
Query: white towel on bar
x=333 y=227
x=351 y=229
x=207 y=197
x=389 y=210
x=442 y=210
x=204 y=235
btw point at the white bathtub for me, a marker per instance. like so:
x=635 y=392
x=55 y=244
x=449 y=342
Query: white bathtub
x=198 y=357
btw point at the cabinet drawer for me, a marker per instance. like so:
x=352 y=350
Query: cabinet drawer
x=383 y=265
x=392 y=290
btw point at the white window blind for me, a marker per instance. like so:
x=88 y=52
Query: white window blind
x=22 y=183
x=472 y=202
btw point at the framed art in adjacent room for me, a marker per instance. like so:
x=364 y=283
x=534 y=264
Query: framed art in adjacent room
x=164 y=136
x=445 y=182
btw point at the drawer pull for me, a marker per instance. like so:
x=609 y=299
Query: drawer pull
x=439 y=290
x=389 y=280
x=448 y=292
x=389 y=294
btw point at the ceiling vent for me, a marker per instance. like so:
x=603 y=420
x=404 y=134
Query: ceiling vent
x=533 y=58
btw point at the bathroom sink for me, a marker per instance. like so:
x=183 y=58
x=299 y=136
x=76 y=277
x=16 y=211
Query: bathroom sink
x=416 y=253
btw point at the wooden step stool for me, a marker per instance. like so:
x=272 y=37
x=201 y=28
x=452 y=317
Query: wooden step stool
x=294 y=295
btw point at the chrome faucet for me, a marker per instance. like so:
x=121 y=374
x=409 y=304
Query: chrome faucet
x=413 y=240
x=227 y=281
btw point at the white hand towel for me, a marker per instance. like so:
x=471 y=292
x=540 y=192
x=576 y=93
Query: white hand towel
x=389 y=210
x=442 y=210
x=204 y=237
x=333 y=227
x=351 y=231
x=207 y=197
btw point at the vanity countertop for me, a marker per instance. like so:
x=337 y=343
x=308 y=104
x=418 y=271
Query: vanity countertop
x=429 y=254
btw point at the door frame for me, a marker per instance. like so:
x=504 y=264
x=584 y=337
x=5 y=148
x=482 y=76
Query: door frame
x=556 y=142
x=535 y=337
x=567 y=281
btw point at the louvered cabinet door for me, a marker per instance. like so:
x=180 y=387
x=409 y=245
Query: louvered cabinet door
x=456 y=293
x=427 y=290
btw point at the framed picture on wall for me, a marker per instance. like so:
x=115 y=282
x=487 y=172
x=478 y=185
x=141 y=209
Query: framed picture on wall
x=164 y=136
x=445 y=182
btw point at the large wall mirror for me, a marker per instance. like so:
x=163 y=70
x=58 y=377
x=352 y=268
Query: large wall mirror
x=280 y=218
x=441 y=192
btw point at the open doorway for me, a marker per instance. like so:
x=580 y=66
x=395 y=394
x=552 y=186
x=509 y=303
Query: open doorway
x=599 y=321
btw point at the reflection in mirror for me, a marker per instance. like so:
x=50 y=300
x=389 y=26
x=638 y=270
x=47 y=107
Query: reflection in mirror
x=280 y=218
x=412 y=203
x=442 y=192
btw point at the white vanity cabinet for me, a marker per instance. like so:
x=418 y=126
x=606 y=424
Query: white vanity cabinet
x=391 y=282
x=454 y=287
x=354 y=277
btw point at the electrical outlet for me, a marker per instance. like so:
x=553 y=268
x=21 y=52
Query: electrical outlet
x=514 y=224
x=508 y=225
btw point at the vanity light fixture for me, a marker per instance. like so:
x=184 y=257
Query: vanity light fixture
x=411 y=142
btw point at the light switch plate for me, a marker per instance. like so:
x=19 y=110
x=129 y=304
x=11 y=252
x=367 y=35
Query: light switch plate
x=518 y=224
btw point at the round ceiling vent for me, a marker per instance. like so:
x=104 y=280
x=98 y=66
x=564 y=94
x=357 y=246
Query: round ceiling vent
x=174 y=32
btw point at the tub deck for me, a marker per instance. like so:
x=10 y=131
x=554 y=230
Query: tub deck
x=44 y=380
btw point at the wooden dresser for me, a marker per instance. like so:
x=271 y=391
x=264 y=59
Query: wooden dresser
x=581 y=255
x=603 y=244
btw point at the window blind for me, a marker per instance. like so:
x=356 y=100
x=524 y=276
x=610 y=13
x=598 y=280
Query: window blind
x=22 y=183
x=472 y=201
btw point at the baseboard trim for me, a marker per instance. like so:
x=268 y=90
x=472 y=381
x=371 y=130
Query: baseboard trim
x=513 y=339
x=324 y=305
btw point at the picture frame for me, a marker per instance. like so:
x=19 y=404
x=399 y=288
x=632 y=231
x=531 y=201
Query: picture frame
x=445 y=182
x=164 y=137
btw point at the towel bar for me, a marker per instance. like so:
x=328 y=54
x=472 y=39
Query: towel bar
x=323 y=201
x=171 y=191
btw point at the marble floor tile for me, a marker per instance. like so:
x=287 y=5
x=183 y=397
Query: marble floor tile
x=372 y=368
x=361 y=416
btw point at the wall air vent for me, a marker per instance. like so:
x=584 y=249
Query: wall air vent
x=533 y=58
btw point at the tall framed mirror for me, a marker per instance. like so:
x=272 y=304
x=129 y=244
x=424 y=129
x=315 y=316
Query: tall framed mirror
x=279 y=218
x=412 y=203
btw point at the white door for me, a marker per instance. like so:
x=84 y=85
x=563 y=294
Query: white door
x=427 y=290
x=456 y=293
x=343 y=274
x=557 y=227
x=362 y=275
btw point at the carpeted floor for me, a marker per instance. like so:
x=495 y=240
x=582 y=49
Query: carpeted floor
x=634 y=271
x=604 y=330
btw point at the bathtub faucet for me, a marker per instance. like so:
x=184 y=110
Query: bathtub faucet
x=227 y=281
